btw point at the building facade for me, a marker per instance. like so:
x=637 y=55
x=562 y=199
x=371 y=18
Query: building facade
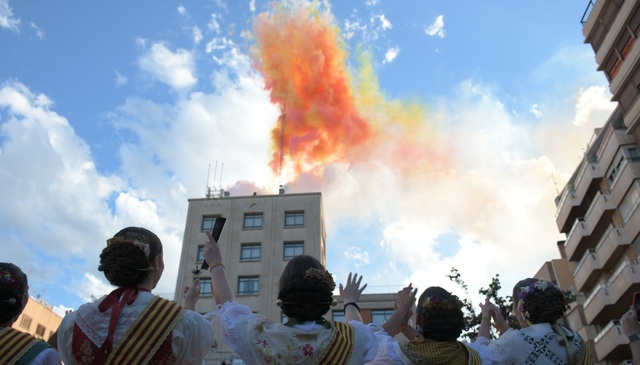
x=598 y=208
x=261 y=234
x=38 y=319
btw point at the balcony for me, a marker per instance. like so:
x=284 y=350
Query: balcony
x=606 y=253
x=605 y=301
x=611 y=344
x=575 y=198
x=618 y=27
x=586 y=232
x=597 y=19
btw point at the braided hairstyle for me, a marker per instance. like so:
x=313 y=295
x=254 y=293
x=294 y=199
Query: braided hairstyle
x=305 y=297
x=13 y=287
x=539 y=306
x=124 y=261
x=439 y=315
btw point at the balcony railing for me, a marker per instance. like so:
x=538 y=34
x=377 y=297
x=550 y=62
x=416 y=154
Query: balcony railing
x=589 y=252
x=608 y=327
x=587 y=12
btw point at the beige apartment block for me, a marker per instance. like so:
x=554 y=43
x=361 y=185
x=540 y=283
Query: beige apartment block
x=262 y=233
x=598 y=208
x=38 y=319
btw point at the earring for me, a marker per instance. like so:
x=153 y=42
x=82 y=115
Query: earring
x=279 y=302
x=334 y=302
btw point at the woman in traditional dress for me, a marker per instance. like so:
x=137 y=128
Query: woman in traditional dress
x=17 y=347
x=305 y=296
x=538 y=305
x=439 y=321
x=131 y=325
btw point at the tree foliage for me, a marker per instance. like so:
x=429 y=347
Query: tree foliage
x=472 y=313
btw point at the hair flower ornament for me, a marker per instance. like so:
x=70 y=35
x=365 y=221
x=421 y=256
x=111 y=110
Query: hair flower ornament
x=434 y=302
x=137 y=240
x=527 y=291
x=322 y=275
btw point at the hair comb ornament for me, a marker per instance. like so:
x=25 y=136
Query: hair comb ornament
x=139 y=240
x=11 y=301
x=321 y=275
x=434 y=302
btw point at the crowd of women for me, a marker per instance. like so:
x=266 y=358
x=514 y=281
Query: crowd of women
x=130 y=325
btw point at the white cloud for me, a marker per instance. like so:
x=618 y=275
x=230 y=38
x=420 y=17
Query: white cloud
x=357 y=256
x=252 y=5
x=197 y=34
x=7 y=19
x=391 y=54
x=372 y=2
x=384 y=22
x=182 y=10
x=213 y=24
x=120 y=79
x=39 y=32
x=436 y=28
x=593 y=100
x=176 y=69
x=535 y=110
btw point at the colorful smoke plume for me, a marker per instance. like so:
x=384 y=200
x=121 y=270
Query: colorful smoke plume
x=334 y=112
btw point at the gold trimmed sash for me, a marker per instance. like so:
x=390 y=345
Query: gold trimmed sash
x=148 y=332
x=341 y=345
x=14 y=344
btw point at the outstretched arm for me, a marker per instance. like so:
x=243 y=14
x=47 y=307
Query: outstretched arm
x=219 y=285
x=405 y=299
x=350 y=294
x=491 y=312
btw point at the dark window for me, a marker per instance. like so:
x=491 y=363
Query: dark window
x=252 y=221
x=294 y=219
x=248 y=285
x=293 y=249
x=250 y=252
x=40 y=330
x=25 y=322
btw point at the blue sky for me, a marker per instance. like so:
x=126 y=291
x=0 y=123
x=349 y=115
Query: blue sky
x=111 y=112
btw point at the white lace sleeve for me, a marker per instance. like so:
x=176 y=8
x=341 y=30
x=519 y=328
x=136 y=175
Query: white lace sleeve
x=232 y=319
x=498 y=350
x=192 y=338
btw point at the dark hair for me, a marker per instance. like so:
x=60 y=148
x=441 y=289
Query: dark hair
x=540 y=306
x=124 y=263
x=439 y=315
x=305 y=298
x=13 y=286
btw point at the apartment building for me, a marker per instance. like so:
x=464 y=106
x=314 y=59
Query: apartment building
x=262 y=233
x=598 y=208
x=38 y=319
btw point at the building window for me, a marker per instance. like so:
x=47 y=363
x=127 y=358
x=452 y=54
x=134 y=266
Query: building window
x=208 y=222
x=252 y=221
x=200 y=256
x=250 y=252
x=293 y=249
x=40 y=329
x=337 y=316
x=25 y=322
x=294 y=219
x=248 y=285
x=379 y=316
x=628 y=152
x=205 y=287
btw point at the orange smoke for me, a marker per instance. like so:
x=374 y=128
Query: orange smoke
x=330 y=115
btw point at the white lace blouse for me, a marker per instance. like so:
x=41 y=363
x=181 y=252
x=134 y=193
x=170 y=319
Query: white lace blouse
x=260 y=341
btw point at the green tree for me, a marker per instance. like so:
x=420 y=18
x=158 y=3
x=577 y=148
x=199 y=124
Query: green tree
x=472 y=314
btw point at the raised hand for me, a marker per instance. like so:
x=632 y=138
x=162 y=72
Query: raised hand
x=191 y=294
x=351 y=291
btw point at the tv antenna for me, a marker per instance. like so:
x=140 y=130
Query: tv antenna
x=211 y=190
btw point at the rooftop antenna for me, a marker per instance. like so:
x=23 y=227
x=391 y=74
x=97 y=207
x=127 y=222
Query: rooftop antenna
x=207 y=187
x=282 y=119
